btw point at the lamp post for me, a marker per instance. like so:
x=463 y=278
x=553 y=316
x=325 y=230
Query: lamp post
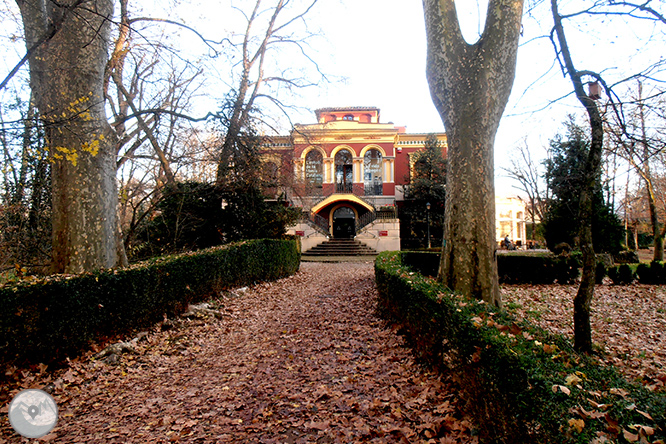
x=428 y=221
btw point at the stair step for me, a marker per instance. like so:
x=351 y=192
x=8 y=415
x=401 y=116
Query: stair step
x=341 y=247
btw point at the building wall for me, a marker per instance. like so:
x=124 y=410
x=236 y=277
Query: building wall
x=358 y=129
x=510 y=219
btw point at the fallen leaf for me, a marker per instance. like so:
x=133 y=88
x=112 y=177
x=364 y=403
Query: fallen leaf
x=577 y=424
x=629 y=436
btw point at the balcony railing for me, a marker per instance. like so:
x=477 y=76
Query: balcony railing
x=375 y=189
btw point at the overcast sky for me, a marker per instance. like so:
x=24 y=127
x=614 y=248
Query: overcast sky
x=380 y=47
x=375 y=51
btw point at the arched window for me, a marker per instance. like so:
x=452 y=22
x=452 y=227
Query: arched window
x=344 y=213
x=314 y=169
x=348 y=117
x=344 y=171
x=372 y=168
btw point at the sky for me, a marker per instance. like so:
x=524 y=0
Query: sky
x=380 y=47
x=374 y=52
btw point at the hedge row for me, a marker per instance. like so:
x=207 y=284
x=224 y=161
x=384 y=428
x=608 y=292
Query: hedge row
x=48 y=319
x=518 y=268
x=521 y=384
x=653 y=273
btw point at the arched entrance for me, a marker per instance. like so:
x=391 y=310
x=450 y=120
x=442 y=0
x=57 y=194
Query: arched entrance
x=344 y=223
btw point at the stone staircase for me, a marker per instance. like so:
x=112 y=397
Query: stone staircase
x=341 y=247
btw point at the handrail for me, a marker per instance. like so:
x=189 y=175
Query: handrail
x=321 y=222
x=365 y=220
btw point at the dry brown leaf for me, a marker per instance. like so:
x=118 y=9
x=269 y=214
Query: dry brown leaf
x=290 y=366
x=577 y=424
x=631 y=437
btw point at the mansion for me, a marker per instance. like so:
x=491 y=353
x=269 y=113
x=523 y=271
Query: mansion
x=348 y=172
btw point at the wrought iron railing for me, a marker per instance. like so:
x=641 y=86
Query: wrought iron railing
x=346 y=188
x=365 y=220
x=375 y=189
x=321 y=222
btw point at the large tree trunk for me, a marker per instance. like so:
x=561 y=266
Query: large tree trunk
x=67 y=77
x=470 y=85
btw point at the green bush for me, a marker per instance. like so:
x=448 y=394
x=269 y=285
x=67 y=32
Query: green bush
x=621 y=274
x=52 y=318
x=652 y=273
x=426 y=263
x=626 y=257
x=512 y=268
x=521 y=383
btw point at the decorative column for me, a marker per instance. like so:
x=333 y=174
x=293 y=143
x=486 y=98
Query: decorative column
x=298 y=169
x=328 y=170
x=358 y=164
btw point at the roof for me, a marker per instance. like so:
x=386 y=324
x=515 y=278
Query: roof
x=346 y=108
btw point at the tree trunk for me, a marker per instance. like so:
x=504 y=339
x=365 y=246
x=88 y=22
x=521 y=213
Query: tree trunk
x=470 y=85
x=583 y=298
x=67 y=77
x=647 y=177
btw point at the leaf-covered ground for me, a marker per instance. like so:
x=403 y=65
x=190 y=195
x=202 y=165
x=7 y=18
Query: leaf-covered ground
x=628 y=323
x=300 y=360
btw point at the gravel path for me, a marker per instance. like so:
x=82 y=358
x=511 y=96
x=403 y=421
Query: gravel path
x=300 y=360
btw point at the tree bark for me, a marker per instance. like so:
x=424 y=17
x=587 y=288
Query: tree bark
x=67 y=77
x=647 y=177
x=583 y=298
x=470 y=85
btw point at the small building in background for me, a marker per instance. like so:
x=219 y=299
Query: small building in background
x=510 y=220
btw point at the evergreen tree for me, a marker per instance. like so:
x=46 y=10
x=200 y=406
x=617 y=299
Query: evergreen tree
x=428 y=181
x=197 y=215
x=427 y=185
x=565 y=176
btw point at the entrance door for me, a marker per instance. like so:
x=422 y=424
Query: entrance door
x=344 y=223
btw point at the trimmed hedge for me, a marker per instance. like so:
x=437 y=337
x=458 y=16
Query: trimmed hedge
x=652 y=273
x=622 y=274
x=512 y=268
x=521 y=383
x=49 y=319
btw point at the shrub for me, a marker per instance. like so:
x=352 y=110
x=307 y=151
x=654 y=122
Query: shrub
x=626 y=257
x=426 y=263
x=52 y=318
x=523 y=268
x=512 y=268
x=522 y=384
x=621 y=274
x=652 y=273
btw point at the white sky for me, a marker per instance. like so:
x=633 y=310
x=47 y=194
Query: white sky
x=379 y=47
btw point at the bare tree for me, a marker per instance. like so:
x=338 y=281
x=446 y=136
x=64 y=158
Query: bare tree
x=254 y=80
x=632 y=141
x=526 y=172
x=470 y=85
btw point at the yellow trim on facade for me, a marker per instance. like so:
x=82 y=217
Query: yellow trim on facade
x=373 y=146
x=339 y=198
x=313 y=147
x=340 y=148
